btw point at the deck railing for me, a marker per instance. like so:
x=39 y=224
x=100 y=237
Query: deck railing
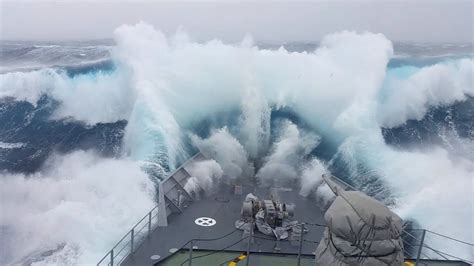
x=422 y=244
x=131 y=240
x=416 y=249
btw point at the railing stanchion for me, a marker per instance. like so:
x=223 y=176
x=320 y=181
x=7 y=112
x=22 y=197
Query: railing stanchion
x=191 y=244
x=421 y=247
x=132 y=236
x=112 y=257
x=249 y=242
x=149 y=223
x=301 y=244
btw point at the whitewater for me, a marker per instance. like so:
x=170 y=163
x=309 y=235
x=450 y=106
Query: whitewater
x=402 y=132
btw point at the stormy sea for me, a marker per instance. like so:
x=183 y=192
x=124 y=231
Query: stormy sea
x=87 y=129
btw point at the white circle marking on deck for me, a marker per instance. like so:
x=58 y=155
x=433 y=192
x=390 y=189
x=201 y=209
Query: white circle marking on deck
x=205 y=221
x=155 y=257
x=173 y=250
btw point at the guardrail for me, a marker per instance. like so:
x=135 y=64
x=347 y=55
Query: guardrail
x=440 y=247
x=249 y=239
x=131 y=240
x=416 y=250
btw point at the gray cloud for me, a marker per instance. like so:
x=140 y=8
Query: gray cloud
x=420 y=21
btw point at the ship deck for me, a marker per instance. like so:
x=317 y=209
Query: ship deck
x=171 y=225
x=224 y=206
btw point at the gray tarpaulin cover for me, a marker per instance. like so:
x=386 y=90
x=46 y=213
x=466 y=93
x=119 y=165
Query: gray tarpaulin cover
x=360 y=231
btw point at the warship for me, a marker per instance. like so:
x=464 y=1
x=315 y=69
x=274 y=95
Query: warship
x=246 y=223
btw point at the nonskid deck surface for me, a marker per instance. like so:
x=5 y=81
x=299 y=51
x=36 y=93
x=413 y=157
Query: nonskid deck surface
x=223 y=258
x=225 y=207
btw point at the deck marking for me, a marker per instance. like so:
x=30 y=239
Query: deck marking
x=173 y=250
x=205 y=221
x=155 y=257
x=236 y=260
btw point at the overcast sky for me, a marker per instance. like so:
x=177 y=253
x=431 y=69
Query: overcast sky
x=399 y=20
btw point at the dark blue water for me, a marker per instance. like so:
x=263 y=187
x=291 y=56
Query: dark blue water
x=21 y=122
x=452 y=122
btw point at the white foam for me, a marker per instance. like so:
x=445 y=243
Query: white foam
x=226 y=150
x=81 y=201
x=311 y=177
x=204 y=175
x=4 y=145
x=27 y=86
x=286 y=154
x=101 y=97
x=437 y=85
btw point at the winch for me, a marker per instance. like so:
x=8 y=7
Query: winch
x=274 y=212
